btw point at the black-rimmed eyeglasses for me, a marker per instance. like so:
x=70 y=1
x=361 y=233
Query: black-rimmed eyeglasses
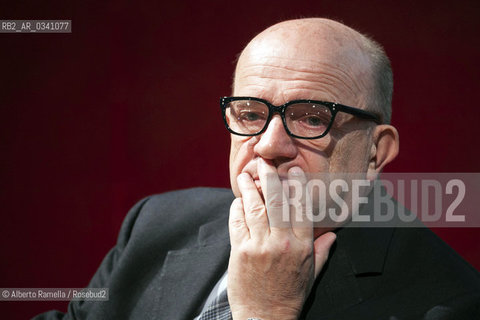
x=304 y=119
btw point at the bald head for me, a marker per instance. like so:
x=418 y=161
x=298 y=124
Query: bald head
x=343 y=57
x=311 y=59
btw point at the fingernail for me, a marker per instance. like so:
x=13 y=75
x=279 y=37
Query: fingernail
x=262 y=162
x=296 y=171
x=244 y=177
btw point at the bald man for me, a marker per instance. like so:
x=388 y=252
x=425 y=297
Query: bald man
x=309 y=96
x=313 y=59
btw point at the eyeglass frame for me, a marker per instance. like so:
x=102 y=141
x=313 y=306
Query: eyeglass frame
x=272 y=109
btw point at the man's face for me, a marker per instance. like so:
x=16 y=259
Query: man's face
x=280 y=67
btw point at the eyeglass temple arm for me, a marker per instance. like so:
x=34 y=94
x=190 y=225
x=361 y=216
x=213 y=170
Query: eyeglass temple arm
x=359 y=113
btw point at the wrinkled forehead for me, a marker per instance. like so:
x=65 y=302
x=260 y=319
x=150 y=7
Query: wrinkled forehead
x=312 y=47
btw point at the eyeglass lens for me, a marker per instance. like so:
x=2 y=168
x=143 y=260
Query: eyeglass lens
x=302 y=119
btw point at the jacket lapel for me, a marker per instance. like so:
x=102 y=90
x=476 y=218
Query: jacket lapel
x=188 y=275
x=353 y=270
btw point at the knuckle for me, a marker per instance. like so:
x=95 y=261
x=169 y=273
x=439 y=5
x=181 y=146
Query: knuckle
x=257 y=209
x=255 y=252
x=285 y=246
x=237 y=223
x=245 y=252
x=306 y=250
x=279 y=246
x=268 y=251
x=242 y=251
x=277 y=203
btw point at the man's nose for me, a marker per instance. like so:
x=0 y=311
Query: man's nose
x=275 y=143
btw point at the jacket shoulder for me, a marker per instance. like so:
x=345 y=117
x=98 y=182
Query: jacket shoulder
x=194 y=203
x=180 y=211
x=428 y=272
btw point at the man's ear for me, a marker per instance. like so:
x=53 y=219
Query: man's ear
x=384 y=149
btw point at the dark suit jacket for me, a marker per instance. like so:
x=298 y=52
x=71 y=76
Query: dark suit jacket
x=174 y=247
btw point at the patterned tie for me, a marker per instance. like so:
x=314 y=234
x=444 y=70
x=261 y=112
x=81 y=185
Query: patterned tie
x=219 y=309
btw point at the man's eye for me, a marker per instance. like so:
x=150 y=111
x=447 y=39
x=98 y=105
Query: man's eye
x=251 y=116
x=314 y=121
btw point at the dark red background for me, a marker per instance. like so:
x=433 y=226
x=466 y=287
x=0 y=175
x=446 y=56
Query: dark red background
x=127 y=105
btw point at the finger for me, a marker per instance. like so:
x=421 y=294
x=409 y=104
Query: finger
x=301 y=224
x=276 y=201
x=253 y=206
x=322 y=247
x=236 y=223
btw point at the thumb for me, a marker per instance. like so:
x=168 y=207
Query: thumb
x=321 y=249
